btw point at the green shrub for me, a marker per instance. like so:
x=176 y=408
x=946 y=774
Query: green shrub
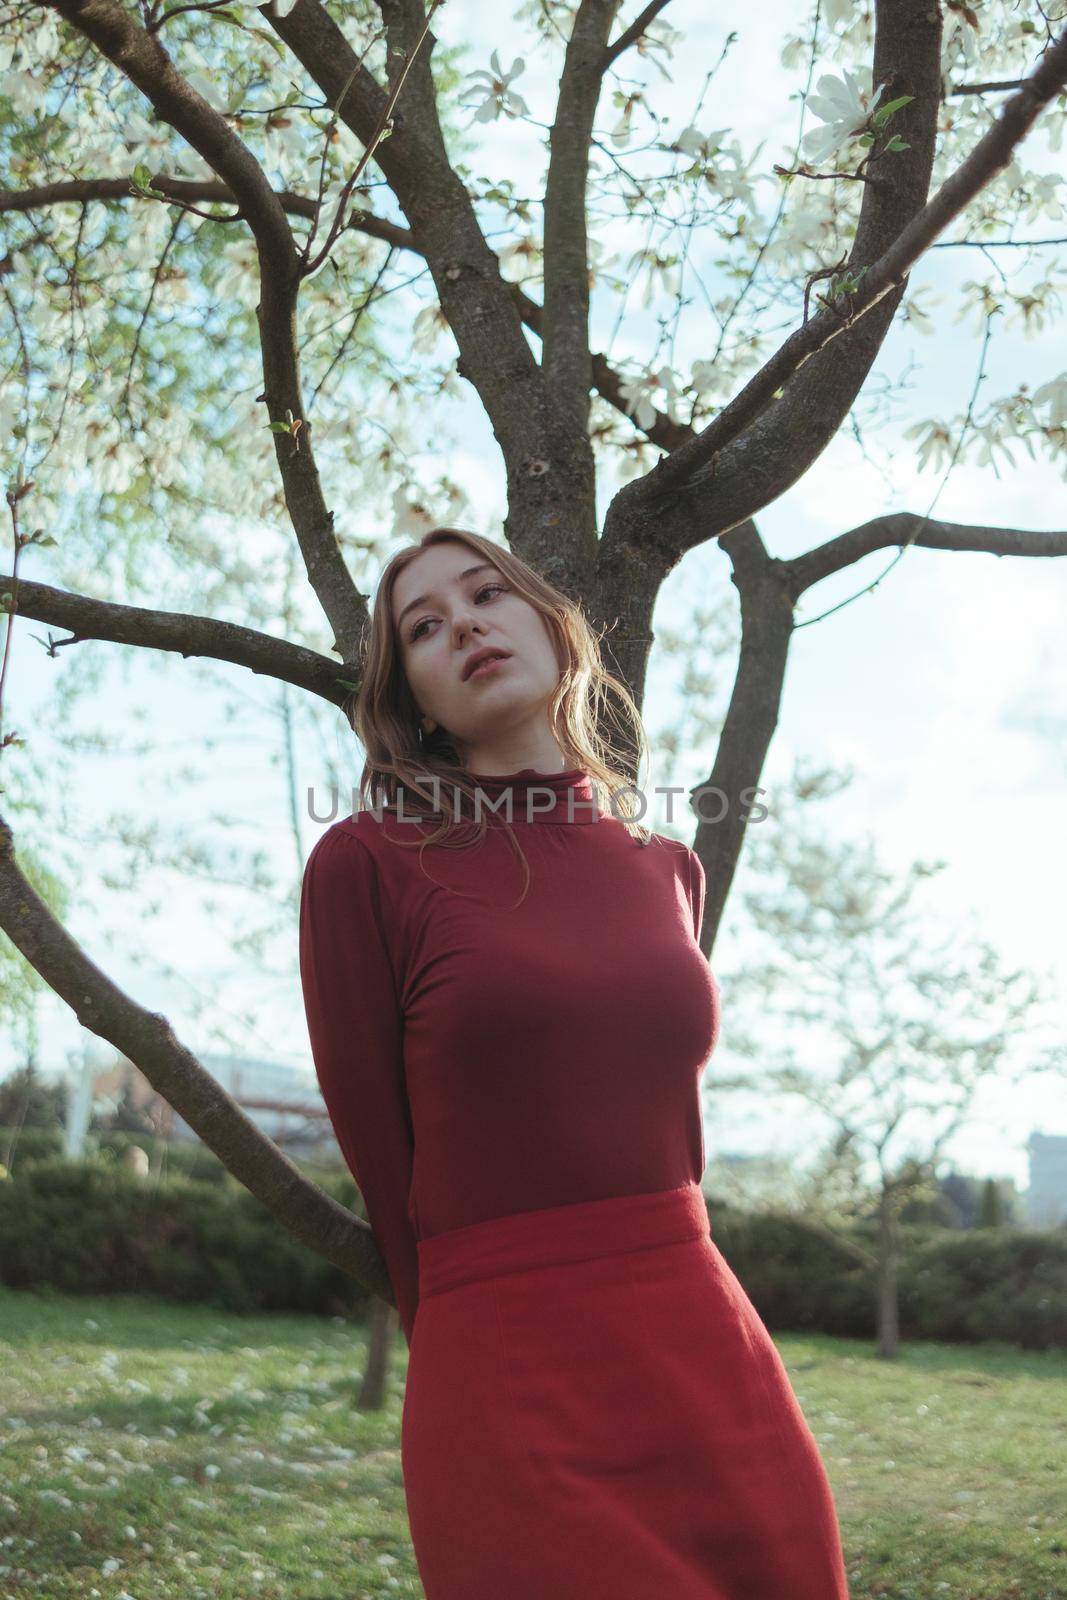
x=798 y=1279
x=983 y=1283
x=92 y=1226
x=988 y=1283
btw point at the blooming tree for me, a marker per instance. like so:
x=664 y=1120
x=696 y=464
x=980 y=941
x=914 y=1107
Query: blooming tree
x=212 y=212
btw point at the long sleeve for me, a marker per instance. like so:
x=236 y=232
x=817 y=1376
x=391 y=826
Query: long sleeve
x=697 y=896
x=697 y=892
x=356 y=1026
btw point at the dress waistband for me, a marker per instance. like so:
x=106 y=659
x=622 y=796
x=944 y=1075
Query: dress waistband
x=579 y=1232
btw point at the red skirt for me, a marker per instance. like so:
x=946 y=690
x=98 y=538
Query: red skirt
x=595 y=1411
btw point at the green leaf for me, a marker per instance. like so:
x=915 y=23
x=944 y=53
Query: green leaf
x=142 y=178
x=346 y=683
x=279 y=427
x=896 y=143
x=883 y=114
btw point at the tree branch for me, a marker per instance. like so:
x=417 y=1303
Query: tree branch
x=476 y=300
x=637 y=29
x=147 y=1039
x=908 y=527
x=987 y=88
x=768 y=590
x=766 y=612
x=565 y=322
x=184 y=633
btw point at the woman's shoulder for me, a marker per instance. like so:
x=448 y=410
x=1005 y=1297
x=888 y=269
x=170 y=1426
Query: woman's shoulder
x=367 y=845
x=341 y=851
x=665 y=844
x=359 y=839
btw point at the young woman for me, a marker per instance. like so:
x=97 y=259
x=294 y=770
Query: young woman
x=509 y=1015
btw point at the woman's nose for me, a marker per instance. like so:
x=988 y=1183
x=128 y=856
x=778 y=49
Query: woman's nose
x=464 y=625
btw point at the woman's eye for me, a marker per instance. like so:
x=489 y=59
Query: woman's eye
x=499 y=588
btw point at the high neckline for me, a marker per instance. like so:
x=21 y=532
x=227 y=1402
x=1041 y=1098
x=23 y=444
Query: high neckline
x=537 y=797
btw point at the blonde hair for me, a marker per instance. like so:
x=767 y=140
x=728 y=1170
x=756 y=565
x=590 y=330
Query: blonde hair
x=386 y=719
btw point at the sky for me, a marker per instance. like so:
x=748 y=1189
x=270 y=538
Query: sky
x=944 y=689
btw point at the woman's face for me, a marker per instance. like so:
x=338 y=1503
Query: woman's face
x=442 y=614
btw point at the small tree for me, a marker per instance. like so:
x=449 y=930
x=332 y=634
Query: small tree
x=857 y=1010
x=29 y=1100
x=991 y=1208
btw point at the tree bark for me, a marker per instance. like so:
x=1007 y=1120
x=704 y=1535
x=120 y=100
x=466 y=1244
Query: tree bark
x=888 y=1266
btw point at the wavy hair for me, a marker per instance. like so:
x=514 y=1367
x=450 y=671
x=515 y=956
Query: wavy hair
x=399 y=756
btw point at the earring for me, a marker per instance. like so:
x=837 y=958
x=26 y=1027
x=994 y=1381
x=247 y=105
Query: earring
x=427 y=725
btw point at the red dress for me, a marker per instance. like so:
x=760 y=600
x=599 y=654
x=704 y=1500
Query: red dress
x=593 y=1406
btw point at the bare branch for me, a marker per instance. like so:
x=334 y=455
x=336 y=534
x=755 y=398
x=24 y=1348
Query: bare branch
x=172 y=239
x=995 y=244
x=908 y=527
x=311 y=266
x=184 y=633
x=191 y=189
x=751 y=719
x=637 y=29
x=768 y=590
x=146 y=1038
x=987 y=88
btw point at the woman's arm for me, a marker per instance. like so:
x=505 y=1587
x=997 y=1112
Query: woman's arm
x=697 y=891
x=355 y=1026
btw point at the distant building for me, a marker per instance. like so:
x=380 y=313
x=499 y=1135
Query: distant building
x=1046 y=1200
x=282 y=1101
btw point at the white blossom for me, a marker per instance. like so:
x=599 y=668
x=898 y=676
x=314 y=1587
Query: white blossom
x=428 y=327
x=411 y=518
x=914 y=313
x=1044 y=198
x=493 y=91
x=659 y=35
x=1054 y=395
x=637 y=392
x=702 y=146
x=622 y=132
x=936 y=445
x=704 y=377
x=843 y=105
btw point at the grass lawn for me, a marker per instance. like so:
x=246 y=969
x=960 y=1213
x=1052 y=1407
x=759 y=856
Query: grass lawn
x=153 y=1451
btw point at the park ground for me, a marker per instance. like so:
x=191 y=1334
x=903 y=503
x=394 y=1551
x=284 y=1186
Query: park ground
x=152 y=1451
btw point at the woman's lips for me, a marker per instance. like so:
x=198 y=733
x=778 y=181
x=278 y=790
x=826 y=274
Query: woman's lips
x=487 y=667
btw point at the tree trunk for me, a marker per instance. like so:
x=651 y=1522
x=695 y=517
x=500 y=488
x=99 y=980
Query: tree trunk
x=888 y=1257
x=382 y=1324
